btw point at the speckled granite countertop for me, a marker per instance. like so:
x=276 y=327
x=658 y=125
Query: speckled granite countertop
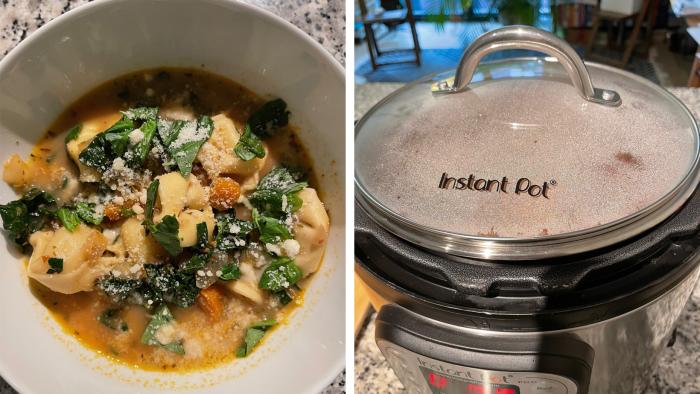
x=678 y=370
x=324 y=20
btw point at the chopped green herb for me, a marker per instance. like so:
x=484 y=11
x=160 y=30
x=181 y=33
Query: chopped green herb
x=280 y=275
x=151 y=193
x=68 y=218
x=253 y=335
x=27 y=215
x=269 y=118
x=166 y=233
x=230 y=272
x=161 y=318
x=56 y=265
x=73 y=133
x=271 y=230
x=87 y=212
x=249 y=146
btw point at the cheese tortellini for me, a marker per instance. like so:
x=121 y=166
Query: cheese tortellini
x=311 y=231
x=186 y=200
x=217 y=156
x=88 y=131
x=140 y=247
x=247 y=284
x=81 y=251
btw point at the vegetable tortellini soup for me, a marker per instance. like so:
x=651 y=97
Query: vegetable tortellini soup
x=170 y=219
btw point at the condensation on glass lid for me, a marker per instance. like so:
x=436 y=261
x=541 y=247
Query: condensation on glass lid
x=523 y=157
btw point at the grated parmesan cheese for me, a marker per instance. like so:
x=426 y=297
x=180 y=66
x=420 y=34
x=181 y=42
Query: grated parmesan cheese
x=136 y=136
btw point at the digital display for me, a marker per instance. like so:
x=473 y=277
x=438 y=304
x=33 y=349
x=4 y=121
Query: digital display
x=441 y=384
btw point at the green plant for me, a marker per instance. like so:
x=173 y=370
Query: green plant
x=516 y=12
x=448 y=10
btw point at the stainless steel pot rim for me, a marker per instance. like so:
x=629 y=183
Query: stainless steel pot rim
x=538 y=247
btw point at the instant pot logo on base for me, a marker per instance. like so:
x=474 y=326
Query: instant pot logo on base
x=465 y=372
x=503 y=185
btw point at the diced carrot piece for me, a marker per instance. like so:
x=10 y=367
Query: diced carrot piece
x=224 y=193
x=211 y=302
x=113 y=212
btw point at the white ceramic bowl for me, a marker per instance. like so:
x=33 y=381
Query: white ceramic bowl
x=97 y=42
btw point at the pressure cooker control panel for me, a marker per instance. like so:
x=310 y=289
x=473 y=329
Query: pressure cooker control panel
x=421 y=374
x=431 y=356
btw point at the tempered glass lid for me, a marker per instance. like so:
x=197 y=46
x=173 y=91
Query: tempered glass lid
x=528 y=160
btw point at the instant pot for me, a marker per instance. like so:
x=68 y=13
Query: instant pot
x=527 y=225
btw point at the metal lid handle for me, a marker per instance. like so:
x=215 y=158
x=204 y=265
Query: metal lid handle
x=527 y=37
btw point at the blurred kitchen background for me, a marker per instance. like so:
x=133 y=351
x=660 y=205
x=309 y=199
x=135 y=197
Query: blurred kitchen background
x=402 y=40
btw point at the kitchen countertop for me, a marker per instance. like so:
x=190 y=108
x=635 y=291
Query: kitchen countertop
x=678 y=370
x=323 y=20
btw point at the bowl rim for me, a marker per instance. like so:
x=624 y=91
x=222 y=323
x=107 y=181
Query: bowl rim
x=18 y=50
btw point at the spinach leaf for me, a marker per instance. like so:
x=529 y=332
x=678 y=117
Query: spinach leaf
x=87 y=212
x=282 y=179
x=253 y=335
x=202 y=235
x=168 y=130
x=23 y=217
x=269 y=118
x=275 y=203
x=56 y=265
x=68 y=218
x=141 y=113
x=271 y=230
x=151 y=193
x=114 y=141
x=166 y=233
x=249 y=146
x=231 y=233
x=284 y=297
x=280 y=274
x=108 y=145
x=230 y=272
x=161 y=318
x=73 y=133
x=277 y=193
x=139 y=153
x=190 y=138
x=110 y=319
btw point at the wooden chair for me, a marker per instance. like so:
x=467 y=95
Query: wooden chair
x=619 y=18
x=404 y=15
